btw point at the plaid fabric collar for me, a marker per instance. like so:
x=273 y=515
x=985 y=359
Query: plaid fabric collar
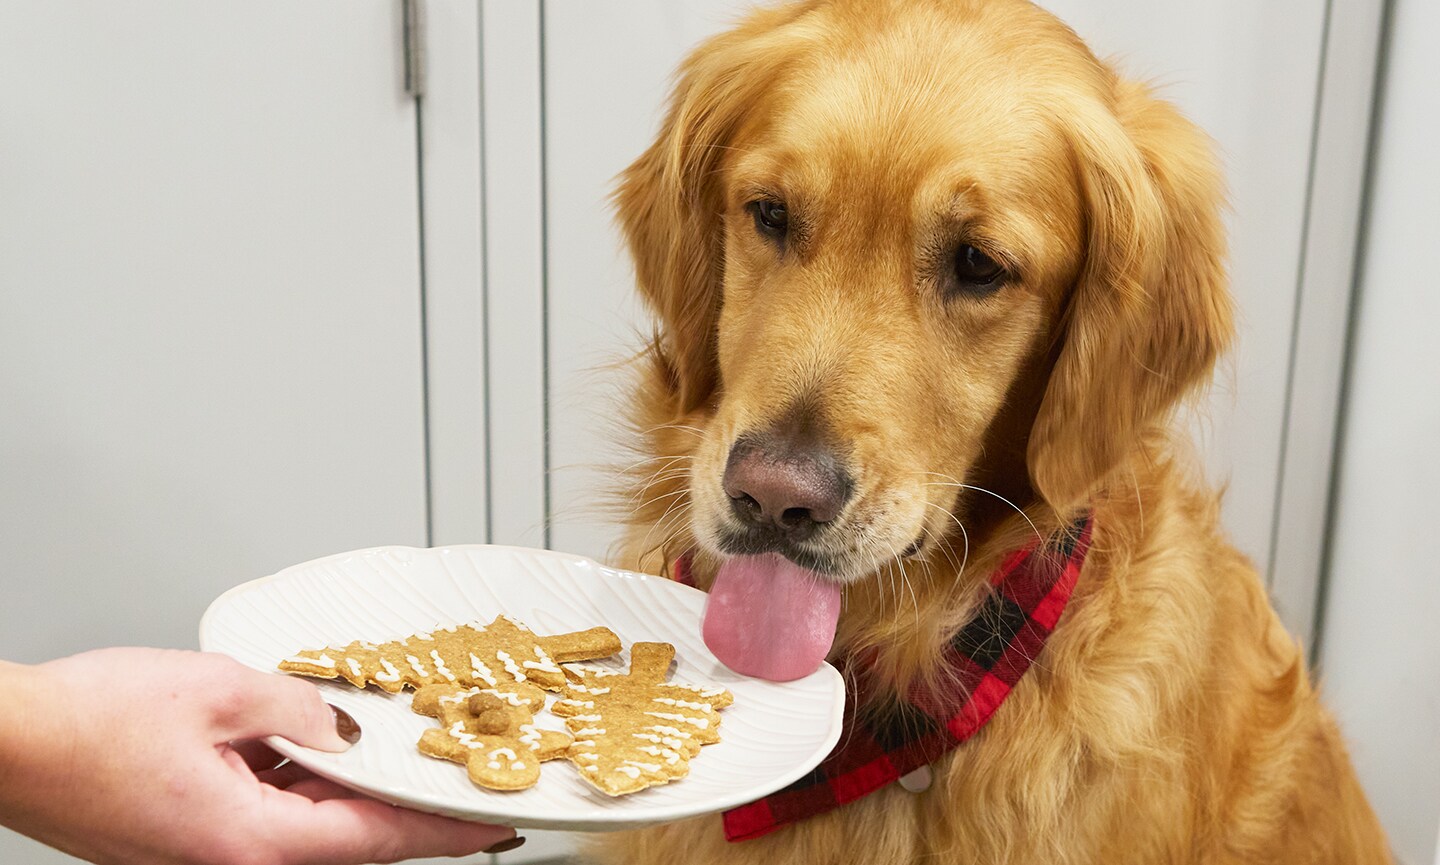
x=988 y=656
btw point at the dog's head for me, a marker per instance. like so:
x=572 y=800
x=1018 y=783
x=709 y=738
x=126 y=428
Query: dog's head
x=893 y=246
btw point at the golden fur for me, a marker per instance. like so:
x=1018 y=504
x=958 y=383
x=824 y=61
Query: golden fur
x=1170 y=718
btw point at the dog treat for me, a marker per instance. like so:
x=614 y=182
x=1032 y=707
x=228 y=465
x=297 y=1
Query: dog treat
x=503 y=652
x=491 y=731
x=635 y=730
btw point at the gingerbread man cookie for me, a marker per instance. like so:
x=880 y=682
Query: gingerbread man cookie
x=491 y=731
x=502 y=652
x=635 y=730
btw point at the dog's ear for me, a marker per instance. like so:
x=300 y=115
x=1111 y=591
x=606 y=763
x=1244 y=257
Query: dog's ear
x=1151 y=311
x=669 y=202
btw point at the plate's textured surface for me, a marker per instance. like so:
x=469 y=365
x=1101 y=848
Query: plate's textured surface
x=773 y=734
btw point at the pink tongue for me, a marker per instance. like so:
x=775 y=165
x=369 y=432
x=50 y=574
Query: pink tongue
x=771 y=618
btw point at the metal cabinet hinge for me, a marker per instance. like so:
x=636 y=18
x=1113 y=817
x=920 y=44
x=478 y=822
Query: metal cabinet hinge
x=414 y=36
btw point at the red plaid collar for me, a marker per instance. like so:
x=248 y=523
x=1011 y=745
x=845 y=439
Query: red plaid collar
x=988 y=656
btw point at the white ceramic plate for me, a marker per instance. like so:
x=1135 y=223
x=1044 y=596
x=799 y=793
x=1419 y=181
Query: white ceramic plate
x=772 y=735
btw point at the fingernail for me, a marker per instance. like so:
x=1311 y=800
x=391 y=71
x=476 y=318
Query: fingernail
x=345 y=725
x=507 y=845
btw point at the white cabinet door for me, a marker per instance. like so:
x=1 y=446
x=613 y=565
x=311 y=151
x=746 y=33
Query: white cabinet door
x=1381 y=648
x=210 y=355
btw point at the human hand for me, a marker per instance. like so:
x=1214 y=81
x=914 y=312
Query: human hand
x=150 y=756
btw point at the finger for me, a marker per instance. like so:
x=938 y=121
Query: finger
x=344 y=830
x=321 y=790
x=285 y=775
x=235 y=762
x=257 y=755
x=250 y=704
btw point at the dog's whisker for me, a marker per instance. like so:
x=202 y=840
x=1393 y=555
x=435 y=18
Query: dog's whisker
x=914 y=599
x=667 y=536
x=942 y=545
x=956 y=483
x=661 y=495
x=965 y=559
x=661 y=477
x=672 y=458
x=675 y=426
x=671 y=534
x=660 y=498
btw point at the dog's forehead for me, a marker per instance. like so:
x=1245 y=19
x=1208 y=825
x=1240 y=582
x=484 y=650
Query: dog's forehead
x=958 y=114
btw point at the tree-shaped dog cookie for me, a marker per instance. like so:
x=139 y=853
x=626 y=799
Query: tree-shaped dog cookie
x=502 y=652
x=636 y=730
x=491 y=731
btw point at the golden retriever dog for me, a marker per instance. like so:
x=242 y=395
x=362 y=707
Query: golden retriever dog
x=930 y=280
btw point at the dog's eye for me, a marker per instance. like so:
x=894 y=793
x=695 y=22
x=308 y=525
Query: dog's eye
x=977 y=273
x=771 y=217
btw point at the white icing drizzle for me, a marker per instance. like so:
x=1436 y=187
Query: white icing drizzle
x=702 y=723
x=671 y=731
x=545 y=664
x=354 y=667
x=683 y=704
x=584 y=704
x=584 y=690
x=440 y=665
x=670 y=756
x=504 y=752
x=591 y=731
x=323 y=661
x=415 y=665
x=459 y=696
x=425 y=635
x=587 y=755
x=517 y=766
x=516 y=622
x=482 y=672
x=493 y=765
x=648 y=767
x=584 y=743
x=389 y=674
x=530 y=736
x=597 y=672
x=512 y=699
x=704 y=692
x=591 y=768
x=463 y=736
x=628 y=770
x=510 y=666
x=586 y=717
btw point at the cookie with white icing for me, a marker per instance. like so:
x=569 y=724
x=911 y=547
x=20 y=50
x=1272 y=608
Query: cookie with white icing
x=491 y=731
x=503 y=652
x=634 y=730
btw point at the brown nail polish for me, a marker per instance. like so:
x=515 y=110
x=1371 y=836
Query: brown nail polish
x=506 y=845
x=345 y=725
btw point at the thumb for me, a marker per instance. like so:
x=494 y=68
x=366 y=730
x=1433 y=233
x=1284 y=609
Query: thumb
x=250 y=704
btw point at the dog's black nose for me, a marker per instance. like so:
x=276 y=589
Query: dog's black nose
x=786 y=490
